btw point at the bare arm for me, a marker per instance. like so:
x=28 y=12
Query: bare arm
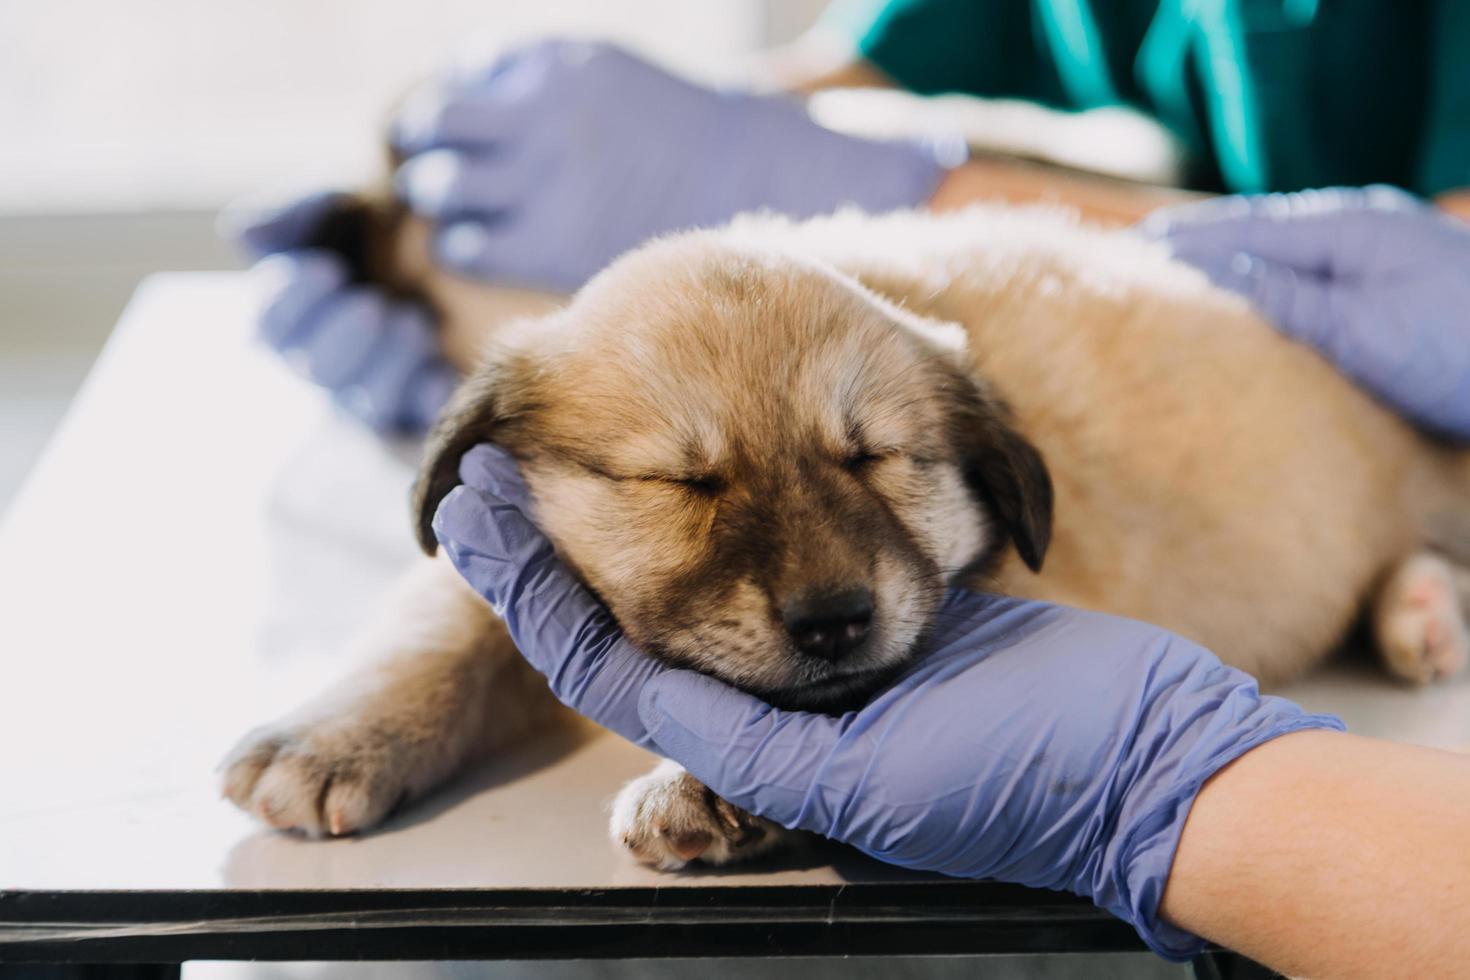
x=1456 y=202
x=1328 y=855
x=1106 y=202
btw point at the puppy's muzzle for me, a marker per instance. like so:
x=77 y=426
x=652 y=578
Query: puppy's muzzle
x=831 y=624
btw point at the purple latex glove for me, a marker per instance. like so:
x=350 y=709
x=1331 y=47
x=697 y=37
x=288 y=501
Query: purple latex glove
x=1033 y=743
x=1374 y=279
x=379 y=357
x=560 y=627
x=546 y=165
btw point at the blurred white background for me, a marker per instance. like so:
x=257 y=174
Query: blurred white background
x=127 y=125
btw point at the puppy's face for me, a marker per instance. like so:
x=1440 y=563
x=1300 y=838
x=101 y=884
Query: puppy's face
x=767 y=473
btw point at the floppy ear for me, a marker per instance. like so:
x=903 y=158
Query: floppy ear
x=468 y=419
x=1005 y=470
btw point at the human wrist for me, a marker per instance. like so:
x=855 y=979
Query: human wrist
x=1329 y=854
x=1209 y=728
x=1207 y=849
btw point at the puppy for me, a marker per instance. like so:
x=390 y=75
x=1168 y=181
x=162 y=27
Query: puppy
x=769 y=448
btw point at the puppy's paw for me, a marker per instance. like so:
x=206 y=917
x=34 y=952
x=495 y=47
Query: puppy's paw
x=668 y=819
x=334 y=776
x=1418 y=622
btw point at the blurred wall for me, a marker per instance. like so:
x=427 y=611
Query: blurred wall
x=179 y=103
x=125 y=125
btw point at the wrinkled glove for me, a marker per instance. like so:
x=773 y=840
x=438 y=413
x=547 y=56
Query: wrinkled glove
x=379 y=357
x=1033 y=743
x=1374 y=279
x=546 y=165
x=485 y=528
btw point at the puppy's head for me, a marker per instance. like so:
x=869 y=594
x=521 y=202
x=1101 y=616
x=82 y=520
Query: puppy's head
x=767 y=472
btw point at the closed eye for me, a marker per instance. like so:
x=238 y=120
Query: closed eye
x=701 y=483
x=861 y=453
x=861 y=459
x=704 y=484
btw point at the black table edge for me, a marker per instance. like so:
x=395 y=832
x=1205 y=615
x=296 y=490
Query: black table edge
x=890 y=919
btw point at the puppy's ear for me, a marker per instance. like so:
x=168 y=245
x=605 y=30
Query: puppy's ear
x=1005 y=470
x=468 y=419
x=999 y=464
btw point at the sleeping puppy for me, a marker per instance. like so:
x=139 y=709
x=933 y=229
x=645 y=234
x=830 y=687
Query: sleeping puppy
x=770 y=447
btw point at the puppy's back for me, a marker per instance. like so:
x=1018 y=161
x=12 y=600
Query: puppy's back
x=1211 y=476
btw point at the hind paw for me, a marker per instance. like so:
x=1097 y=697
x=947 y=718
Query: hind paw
x=1418 y=621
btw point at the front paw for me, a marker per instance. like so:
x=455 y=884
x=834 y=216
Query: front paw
x=668 y=819
x=332 y=776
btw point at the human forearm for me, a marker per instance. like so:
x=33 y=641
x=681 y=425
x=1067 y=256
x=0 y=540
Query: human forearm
x=1455 y=202
x=1328 y=855
x=1106 y=202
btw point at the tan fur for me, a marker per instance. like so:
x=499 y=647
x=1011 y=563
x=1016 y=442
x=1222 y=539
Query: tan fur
x=443 y=685
x=1190 y=446
x=1209 y=476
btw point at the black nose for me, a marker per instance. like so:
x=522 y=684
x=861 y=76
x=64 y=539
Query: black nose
x=829 y=625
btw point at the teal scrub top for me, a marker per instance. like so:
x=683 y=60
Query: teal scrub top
x=1268 y=95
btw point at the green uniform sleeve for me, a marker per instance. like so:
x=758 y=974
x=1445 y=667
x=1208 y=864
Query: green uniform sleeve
x=1444 y=158
x=976 y=47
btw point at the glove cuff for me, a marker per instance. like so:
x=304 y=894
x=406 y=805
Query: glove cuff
x=1142 y=857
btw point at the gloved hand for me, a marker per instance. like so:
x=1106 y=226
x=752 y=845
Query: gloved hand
x=546 y=165
x=379 y=357
x=1033 y=743
x=1374 y=279
x=485 y=529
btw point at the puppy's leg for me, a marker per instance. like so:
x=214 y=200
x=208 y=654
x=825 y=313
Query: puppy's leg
x=1419 y=618
x=445 y=685
x=668 y=818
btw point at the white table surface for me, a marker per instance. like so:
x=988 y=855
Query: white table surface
x=184 y=563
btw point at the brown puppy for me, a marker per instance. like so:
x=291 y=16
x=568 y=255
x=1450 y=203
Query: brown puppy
x=769 y=448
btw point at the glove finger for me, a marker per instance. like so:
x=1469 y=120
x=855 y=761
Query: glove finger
x=427 y=394
x=489 y=468
x=1403 y=366
x=267 y=223
x=760 y=758
x=442 y=184
x=1318 y=230
x=556 y=623
x=1298 y=304
x=1411 y=355
x=491 y=249
x=511 y=563
x=400 y=374
x=461 y=117
x=348 y=330
x=1204 y=214
x=292 y=285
